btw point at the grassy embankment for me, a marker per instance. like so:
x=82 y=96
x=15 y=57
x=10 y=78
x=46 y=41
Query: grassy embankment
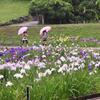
x=8 y=35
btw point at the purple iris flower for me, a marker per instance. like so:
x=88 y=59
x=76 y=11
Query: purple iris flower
x=95 y=56
x=6 y=52
x=1 y=53
x=12 y=50
x=7 y=60
x=30 y=48
x=83 y=53
x=24 y=50
x=89 y=66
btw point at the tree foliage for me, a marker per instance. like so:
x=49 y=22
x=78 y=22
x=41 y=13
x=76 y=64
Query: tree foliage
x=66 y=11
x=52 y=10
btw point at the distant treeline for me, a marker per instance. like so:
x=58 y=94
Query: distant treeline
x=65 y=11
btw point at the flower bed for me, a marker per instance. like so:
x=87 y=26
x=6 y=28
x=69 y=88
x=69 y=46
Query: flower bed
x=53 y=72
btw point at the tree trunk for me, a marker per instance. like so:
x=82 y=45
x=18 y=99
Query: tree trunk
x=84 y=11
x=42 y=17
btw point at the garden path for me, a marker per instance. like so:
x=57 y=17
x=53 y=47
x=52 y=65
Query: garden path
x=30 y=23
x=98 y=98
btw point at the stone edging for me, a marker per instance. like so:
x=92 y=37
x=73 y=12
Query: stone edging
x=88 y=97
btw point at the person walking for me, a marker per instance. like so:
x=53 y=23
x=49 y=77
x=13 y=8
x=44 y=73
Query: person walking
x=24 y=36
x=44 y=34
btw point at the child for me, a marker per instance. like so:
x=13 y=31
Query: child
x=44 y=37
x=24 y=39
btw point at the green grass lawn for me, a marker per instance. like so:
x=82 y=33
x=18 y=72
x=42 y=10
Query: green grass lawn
x=8 y=35
x=10 y=9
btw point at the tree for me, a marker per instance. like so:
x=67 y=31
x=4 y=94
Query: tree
x=98 y=3
x=88 y=10
x=38 y=8
x=65 y=11
x=98 y=8
x=55 y=10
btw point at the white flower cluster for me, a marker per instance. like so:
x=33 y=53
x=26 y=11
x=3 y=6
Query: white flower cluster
x=56 y=59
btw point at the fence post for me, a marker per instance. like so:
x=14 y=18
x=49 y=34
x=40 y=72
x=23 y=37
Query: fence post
x=27 y=93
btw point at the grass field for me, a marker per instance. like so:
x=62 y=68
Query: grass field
x=10 y=9
x=8 y=35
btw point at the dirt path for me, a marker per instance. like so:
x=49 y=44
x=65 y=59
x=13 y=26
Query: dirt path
x=98 y=98
x=31 y=23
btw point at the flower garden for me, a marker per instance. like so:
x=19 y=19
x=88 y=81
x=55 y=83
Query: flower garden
x=52 y=72
x=61 y=63
x=61 y=70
